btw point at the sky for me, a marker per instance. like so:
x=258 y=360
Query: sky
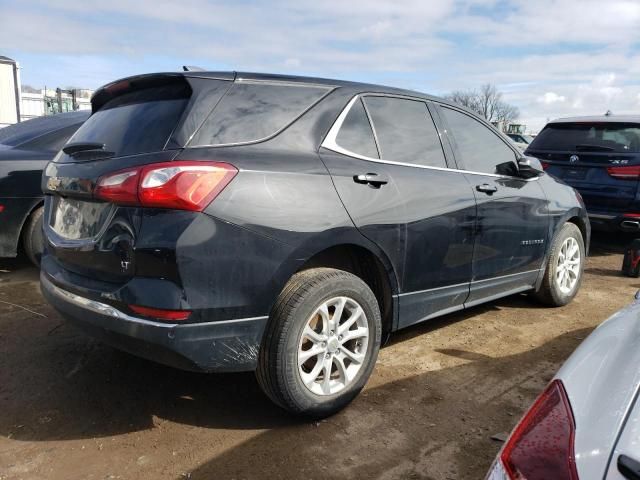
x=550 y=58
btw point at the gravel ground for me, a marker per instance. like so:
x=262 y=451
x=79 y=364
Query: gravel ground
x=72 y=408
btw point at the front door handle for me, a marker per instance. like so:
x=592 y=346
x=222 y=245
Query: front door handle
x=374 y=179
x=486 y=188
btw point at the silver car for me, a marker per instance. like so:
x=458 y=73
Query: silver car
x=586 y=424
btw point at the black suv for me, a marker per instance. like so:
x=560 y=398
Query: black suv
x=600 y=157
x=238 y=222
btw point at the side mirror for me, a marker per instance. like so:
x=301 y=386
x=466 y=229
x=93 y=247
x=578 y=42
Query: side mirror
x=529 y=167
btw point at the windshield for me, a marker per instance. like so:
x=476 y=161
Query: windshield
x=589 y=137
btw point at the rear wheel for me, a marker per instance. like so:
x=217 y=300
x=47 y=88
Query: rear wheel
x=33 y=237
x=321 y=343
x=563 y=273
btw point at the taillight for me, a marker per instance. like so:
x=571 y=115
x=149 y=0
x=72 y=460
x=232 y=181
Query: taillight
x=542 y=445
x=625 y=173
x=120 y=187
x=545 y=165
x=161 y=314
x=181 y=185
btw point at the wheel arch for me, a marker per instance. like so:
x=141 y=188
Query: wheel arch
x=584 y=229
x=365 y=261
x=10 y=243
x=575 y=216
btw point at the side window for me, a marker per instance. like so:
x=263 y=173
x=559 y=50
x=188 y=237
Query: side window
x=480 y=148
x=355 y=133
x=405 y=131
x=252 y=111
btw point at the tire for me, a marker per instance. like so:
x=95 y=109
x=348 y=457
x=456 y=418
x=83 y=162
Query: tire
x=286 y=338
x=554 y=292
x=33 y=237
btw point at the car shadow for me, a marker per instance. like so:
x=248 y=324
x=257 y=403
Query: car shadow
x=610 y=243
x=80 y=388
x=436 y=424
x=17 y=269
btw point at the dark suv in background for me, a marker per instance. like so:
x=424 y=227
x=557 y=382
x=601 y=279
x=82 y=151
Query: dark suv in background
x=600 y=157
x=234 y=222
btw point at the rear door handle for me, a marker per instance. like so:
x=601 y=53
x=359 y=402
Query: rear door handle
x=373 y=179
x=486 y=188
x=628 y=467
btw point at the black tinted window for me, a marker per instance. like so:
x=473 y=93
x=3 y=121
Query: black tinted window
x=589 y=137
x=355 y=133
x=405 y=131
x=253 y=111
x=481 y=149
x=136 y=122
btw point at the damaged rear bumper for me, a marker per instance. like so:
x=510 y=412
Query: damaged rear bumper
x=221 y=346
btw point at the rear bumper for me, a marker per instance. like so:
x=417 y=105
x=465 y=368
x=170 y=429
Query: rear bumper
x=220 y=346
x=614 y=222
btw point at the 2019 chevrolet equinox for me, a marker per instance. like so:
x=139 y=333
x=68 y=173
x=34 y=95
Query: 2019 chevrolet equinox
x=236 y=222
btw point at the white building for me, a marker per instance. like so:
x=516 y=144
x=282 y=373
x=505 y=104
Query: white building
x=9 y=91
x=16 y=105
x=50 y=102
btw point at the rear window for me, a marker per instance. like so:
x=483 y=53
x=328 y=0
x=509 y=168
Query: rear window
x=589 y=137
x=136 y=122
x=28 y=131
x=253 y=111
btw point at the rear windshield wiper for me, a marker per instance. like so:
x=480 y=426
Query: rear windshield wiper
x=76 y=147
x=585 y=147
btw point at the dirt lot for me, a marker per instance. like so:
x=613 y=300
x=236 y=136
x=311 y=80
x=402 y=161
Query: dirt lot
x=73 y=408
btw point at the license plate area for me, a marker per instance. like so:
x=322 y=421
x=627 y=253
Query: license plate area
x=575 y=173
x=78 y=219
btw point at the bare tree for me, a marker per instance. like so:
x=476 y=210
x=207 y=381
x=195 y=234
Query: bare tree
x=487 y=102
x=466 y=98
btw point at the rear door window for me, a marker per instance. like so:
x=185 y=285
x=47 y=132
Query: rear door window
x=589 y=137
x=136 y=122
x=480 y=148
x=355 y=134
x=405 y=131
x=255 y=110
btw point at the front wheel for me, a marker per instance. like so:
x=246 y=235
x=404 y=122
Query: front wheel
x=321 y=343
x=564 y=269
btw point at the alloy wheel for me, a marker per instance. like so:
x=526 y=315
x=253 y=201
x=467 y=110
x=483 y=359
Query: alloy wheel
x=568 y=266
x=333 y=346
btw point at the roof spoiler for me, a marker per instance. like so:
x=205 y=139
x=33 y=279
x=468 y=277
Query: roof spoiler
x=149 y=80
